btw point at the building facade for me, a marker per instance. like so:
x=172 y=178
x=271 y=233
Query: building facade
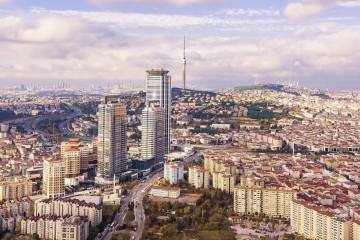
x=198 y=177
x=111 y=148
x=314 y=222
x=173 y=172
x=53 y=178
x=165 y=192
x=75 y=155
x=15 y=188
x=272 y=202
x=69 y=207
x=153 y=139
x=158 y=89
x=56 y=228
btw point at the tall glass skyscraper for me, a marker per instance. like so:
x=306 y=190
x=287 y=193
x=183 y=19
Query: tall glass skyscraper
x=153 y=134
x=158 y=89
x=111 y=138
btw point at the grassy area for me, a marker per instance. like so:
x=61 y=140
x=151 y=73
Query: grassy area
x=207 y=220
x=259 y=111
x=121 y=236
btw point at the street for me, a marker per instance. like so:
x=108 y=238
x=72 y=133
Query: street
x=136 y=195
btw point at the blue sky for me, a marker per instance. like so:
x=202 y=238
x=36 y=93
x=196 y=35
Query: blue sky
x=230 y=43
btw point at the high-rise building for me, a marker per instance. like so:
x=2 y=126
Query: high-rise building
x=112 y=121
x=158 y=89
x=75 y=155
x=153 y=134
x=173 y=172
x=53 y=178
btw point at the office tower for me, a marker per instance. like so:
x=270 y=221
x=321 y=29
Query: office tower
x=184 y=65
x=75 y=155
x=112 y=120
x=53 y=178
x=158 y=89
x=153 y=133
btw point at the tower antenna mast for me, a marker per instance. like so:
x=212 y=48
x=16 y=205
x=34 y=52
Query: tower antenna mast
x=184 y=67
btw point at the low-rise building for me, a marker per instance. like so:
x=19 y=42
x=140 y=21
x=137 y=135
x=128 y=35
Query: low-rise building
x=165 y=192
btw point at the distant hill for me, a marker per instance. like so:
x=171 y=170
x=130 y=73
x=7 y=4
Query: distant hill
x=297 y=91
x=182 y=92
x=274 y=87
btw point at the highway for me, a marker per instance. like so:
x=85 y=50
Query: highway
x=64 y=126
x=136 y=195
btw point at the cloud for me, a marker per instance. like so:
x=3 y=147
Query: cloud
x=3 y=2
x=310 y=8
x=97 y=47
x=252 y=12
x=152 y=2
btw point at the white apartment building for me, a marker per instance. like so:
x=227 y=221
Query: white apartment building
x=53 y=178
x=198 y=177
x=69 y=207
x=315 y=222
x=173 y=172
x=269 y=201
x=56 y=228
x=223 y=181
x=15 y=188
x=165 y=192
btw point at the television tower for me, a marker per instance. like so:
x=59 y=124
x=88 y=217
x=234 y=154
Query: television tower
x=184 y=67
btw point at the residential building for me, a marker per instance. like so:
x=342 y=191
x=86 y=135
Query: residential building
x=198 y=177
x=173 y=172
x=223 y=181
x=69 y=207
x=316 y=222
x=153 y=134
x=56 y=228
x=53 y=178
x=272 y=202
x=165 y=192
x=111 y=138
x=15 y=188
x=75 y=155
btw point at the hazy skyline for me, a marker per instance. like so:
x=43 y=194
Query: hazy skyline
x=230 y=43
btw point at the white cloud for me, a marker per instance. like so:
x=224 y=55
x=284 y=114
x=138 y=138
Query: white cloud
x=5 y=2
x=98 y=47
x=151 y=2
x=252 y=12
x=309 y=8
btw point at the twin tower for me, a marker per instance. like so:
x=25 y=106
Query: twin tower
x=156 y=119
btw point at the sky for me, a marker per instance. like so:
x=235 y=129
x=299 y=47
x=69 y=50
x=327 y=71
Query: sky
x=229 y=42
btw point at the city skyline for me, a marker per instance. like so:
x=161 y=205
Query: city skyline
x=228 y=43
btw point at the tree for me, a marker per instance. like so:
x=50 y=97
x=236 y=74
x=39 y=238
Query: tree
x=168 y=230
